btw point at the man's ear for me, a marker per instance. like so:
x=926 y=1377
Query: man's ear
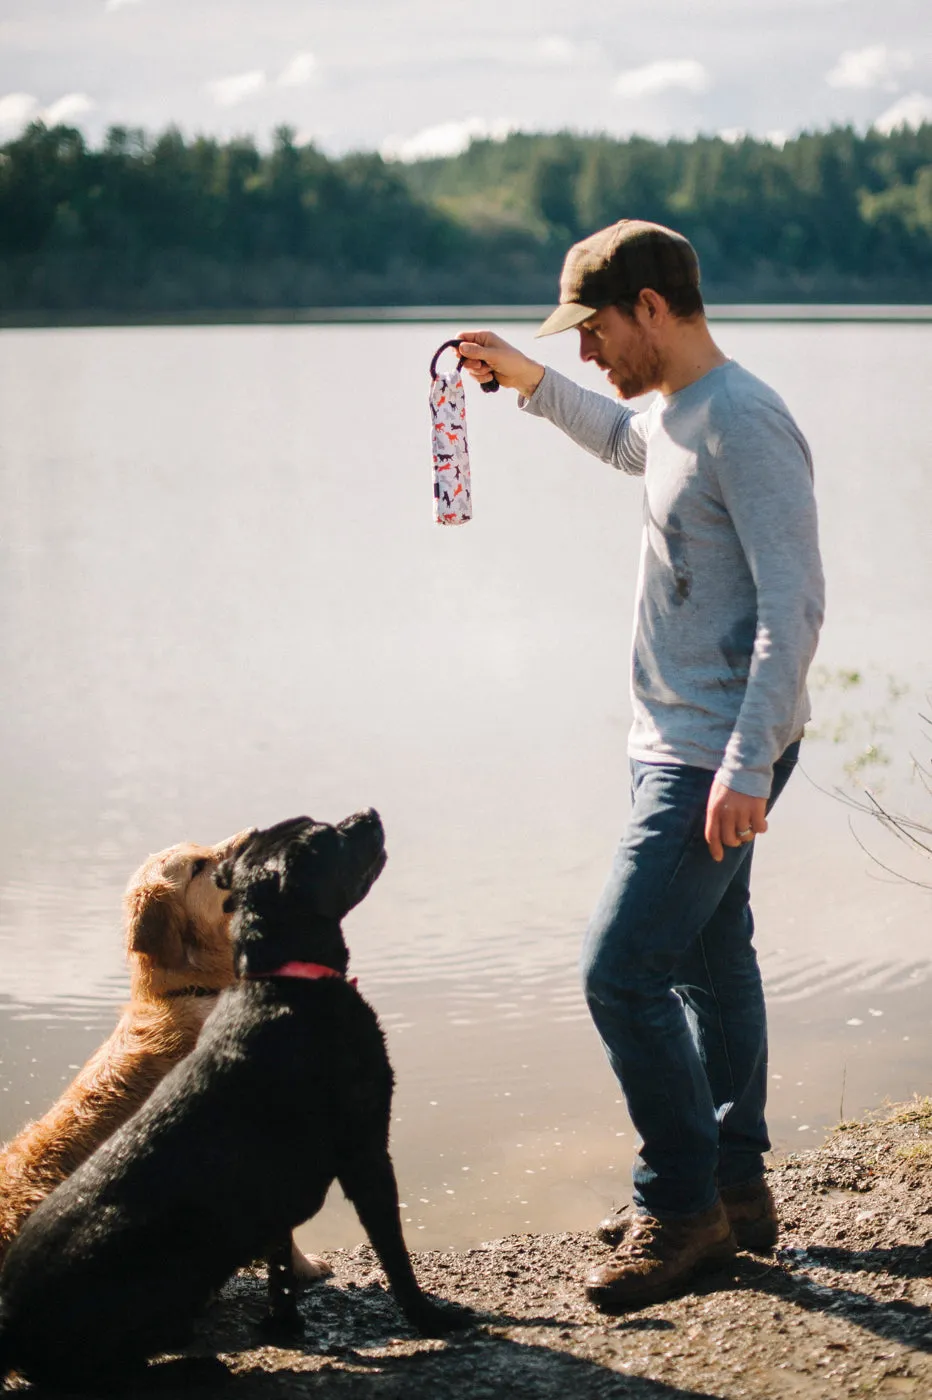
x=653 y=305
x=155 y=926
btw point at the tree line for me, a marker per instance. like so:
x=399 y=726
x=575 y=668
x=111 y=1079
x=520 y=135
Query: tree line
x=163 y=225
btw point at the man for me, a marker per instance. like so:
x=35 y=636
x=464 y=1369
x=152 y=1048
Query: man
x=729 y=605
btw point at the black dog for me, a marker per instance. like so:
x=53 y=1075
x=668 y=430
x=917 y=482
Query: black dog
x=288 y=1089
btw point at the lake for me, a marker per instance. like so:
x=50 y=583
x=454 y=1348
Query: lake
x=224 y=602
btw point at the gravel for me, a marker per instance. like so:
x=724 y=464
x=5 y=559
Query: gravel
x=841 y=1309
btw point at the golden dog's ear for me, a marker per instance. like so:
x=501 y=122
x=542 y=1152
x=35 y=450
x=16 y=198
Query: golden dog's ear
x=155 y=925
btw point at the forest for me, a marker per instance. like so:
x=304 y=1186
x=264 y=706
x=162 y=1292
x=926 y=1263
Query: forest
x=160 y=225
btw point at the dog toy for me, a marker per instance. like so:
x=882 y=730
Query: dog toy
x=452 y=484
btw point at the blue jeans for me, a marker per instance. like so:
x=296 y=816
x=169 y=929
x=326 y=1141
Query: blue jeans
x=673 y=986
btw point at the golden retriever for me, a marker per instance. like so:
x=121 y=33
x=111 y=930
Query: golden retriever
x=180 y=958
x=178 y=946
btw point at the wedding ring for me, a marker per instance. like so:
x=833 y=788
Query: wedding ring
x=743 y=835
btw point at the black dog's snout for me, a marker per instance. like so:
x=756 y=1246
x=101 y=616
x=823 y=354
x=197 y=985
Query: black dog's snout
x=369 y=814
x=369 y=817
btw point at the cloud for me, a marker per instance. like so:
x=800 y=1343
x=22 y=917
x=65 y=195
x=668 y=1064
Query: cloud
x=17 y=109
x=301 y=69
x=227 y=92
x=734 y=134
x=873 y=67
x=663 y=76
x=910 y=111
x=67 y=108
x=447 y=139
x=119 y=4
x=556 y=51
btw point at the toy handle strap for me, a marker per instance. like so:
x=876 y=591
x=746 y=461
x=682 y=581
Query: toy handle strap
x=491 y=387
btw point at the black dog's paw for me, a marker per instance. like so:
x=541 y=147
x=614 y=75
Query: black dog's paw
x=282 y=1327
x=439 y=1319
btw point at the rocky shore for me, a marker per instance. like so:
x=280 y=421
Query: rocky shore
x=844 y=1308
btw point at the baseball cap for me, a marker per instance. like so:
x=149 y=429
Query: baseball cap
x=615 y=264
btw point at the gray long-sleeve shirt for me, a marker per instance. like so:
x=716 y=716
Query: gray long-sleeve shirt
x=730 y=592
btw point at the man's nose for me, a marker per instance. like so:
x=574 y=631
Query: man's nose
x=588 y=347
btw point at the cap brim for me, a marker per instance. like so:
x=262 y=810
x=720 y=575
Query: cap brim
x=565 y=318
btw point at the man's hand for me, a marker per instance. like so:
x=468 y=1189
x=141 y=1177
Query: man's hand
x=732 y=819
x=484 y=351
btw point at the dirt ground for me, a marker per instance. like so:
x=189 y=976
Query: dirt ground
x=844 y=1308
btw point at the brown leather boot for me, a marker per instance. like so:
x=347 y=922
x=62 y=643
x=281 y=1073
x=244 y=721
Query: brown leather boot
x=657 y=1257
x=616 y=1225
x=753 y=1215
x=750 y=1208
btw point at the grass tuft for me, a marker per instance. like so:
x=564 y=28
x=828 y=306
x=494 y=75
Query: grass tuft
x=915 y=1152
x=919 y=1111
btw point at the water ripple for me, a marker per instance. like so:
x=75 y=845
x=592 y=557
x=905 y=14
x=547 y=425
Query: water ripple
x=813 y=977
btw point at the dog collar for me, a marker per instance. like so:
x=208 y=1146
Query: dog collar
x=312 y=971
x=192 y=992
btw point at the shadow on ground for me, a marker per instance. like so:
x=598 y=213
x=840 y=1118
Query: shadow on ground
x=474 y=1365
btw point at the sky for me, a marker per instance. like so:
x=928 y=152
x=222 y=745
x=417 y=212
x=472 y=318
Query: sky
x=413 y=78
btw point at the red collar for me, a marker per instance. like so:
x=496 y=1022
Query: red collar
x=312 y=971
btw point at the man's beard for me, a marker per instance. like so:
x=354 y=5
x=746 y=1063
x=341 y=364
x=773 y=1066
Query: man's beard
x=640 y=371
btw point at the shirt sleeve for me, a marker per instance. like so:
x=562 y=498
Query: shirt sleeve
x=595 y=422
x=764 y=473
